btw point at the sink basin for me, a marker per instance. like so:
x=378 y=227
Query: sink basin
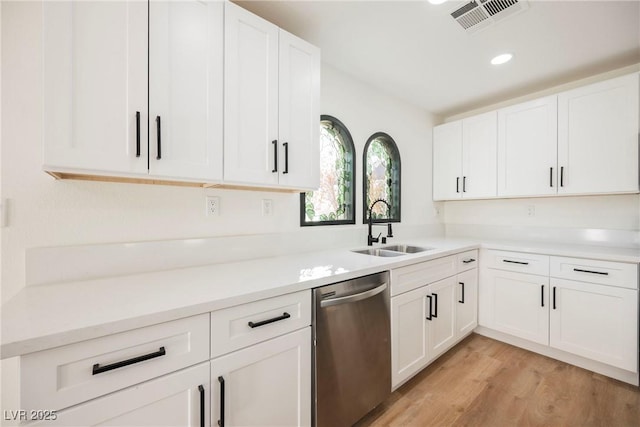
x=379 y=252
x=407 y=249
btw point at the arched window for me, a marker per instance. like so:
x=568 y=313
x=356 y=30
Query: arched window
x=334 y=202
x=381 y=178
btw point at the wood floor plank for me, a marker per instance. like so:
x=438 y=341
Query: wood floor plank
x=483 y=382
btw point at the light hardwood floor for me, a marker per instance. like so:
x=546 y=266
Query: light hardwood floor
x=483 y=382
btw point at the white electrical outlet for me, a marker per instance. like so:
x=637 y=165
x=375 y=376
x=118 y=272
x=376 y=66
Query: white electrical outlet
x=267 y=207
x=531 y=210
x=213 y=206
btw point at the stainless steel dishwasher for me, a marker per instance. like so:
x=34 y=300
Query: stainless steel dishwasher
x=352 y=352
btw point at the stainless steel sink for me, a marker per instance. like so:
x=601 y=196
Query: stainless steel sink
x=407 y=249
x=393 y=250
x=379 y=252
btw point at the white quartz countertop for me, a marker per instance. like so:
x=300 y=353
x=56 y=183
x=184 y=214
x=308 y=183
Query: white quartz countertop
x=46 y=316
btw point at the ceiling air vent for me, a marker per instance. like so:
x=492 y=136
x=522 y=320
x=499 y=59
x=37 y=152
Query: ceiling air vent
x=478 y=14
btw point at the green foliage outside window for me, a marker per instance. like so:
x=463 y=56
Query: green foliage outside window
x=334 y=202
x=382 y=178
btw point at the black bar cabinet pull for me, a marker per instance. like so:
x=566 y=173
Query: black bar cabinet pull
x=462 y=300
x=551 y=176
x=542 y=295
x=554 y=297
x=201 y=390
x=285 y=315
x=137 y=133
x=159 y=156
x=429 y=317
x=464 y=184
x=467 y=261
x=561 y=176
x=275 y=156
x=97 y=369
x=221 y=420
x=286 y=157
x=435 y=303
x=457 y=184
x=579 y=270
x=515 y=262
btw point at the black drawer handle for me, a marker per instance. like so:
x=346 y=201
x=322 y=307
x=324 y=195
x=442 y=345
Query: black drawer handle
x=579 y=270
x=467 y=261
x=221 y=420
x=97 y=369
x=435 y=303
x=159 y=129
x=285 y=315
x=201 y=390
x=515 y=262
x=429 y=317
x=275 y=156
x=137 y=133
x=461 y=301
x=286 y=157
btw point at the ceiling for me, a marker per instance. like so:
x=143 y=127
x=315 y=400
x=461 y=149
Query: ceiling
x=416 y=51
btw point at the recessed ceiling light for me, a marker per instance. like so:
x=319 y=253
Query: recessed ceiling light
x=502 y=58
x=437 y=1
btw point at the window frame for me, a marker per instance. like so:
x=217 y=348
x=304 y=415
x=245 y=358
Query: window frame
x=388 y=140
x=348 y=140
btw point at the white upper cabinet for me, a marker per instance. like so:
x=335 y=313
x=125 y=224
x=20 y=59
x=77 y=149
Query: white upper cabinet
x=185 y=80
x=464 y=158
x=95 y=87
x=598 y=137
x=299 y=111
x=271 y=107
x=113 y=70
x=251 y=98
x=447 y=161
x=527 y=144
x=479 y=147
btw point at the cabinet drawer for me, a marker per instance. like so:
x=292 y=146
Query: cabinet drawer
x=518 y=261
x=404 y=279
x=467 y=260
x=65 y=376
x=243 y=325
x=593 y=271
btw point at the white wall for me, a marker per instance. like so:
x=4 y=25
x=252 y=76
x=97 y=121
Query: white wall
x=46 y=212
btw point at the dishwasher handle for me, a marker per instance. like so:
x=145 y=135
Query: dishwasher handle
x=353 y=298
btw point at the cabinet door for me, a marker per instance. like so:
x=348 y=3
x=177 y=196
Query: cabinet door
x=265 y=384
x=178 y=399
x=250 y=98
x=94 y=86
x=299 y=113
x=598 y=137
x=409 y=313
x=466 y=302
x=447 y=161
x=442 y=330
x=527 y=148
x=595 y=321
x=518 y=304
x=479 y=156
x=185 y=80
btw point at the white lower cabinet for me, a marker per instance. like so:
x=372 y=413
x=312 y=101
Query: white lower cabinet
x=409 y=352
x=595 y=321
x=467 y=302
x=586 y=315
x=516 y=303
x=178 y=399
x=428 y=320
x=442 y=329
x=265 y=384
